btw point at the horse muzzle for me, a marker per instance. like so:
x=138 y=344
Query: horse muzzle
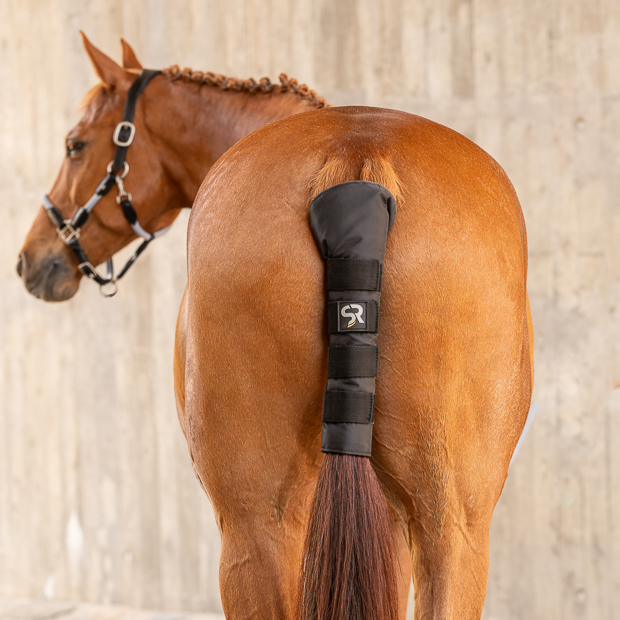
x=53 y=278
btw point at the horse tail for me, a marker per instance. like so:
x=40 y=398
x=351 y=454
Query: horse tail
x=370 y=167
x=348 y=568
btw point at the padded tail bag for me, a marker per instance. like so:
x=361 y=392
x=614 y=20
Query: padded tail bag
x=350 y=223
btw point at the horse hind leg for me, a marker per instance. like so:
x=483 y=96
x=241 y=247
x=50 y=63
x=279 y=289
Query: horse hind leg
x=450 y=570
x=259 y=566
x=442 y=454
x=447 y=503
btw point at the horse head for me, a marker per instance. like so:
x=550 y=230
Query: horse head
x=50 y=267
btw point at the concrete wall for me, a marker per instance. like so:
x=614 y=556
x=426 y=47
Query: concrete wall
x=97 y=497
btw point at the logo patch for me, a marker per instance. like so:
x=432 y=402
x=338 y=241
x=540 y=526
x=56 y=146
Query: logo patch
x=352 y=316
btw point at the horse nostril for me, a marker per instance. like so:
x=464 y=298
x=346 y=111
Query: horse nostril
x=19 y=265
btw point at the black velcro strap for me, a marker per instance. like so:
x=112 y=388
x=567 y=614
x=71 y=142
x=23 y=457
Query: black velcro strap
x=348 y=406
x=347 y=361
x=353 y=439
x=371 y=318
x=353 y=274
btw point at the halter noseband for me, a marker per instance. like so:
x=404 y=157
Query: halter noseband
x=69 y=230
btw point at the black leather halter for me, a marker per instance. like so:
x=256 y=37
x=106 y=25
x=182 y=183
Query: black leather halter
x=69 y=230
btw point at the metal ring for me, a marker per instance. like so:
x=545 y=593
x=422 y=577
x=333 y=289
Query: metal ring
x=112 y=286
x=125 y=172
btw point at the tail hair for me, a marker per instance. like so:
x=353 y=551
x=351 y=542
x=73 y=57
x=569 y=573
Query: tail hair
x=349 y=571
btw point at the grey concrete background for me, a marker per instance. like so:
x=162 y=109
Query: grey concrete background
x=97 y=498
x=24 y=609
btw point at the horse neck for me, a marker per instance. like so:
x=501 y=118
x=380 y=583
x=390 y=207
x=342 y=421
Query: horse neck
x=194 y=125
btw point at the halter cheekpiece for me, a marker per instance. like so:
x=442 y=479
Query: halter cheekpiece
x=69 y=230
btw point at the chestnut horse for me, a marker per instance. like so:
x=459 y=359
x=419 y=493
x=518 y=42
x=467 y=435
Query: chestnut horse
x=455 y=370
x=184 y=121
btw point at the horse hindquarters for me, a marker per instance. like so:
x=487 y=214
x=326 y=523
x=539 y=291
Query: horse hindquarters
x=454 y=376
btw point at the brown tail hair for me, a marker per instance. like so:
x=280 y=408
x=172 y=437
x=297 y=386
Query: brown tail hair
x=348 y=570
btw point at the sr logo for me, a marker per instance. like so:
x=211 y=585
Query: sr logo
x=352 y=316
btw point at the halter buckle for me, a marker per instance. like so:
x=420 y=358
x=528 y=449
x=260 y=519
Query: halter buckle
x=116 y=138
x=87 y=269
x=67 y=233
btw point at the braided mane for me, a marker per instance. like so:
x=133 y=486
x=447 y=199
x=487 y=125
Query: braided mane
x=264 y=85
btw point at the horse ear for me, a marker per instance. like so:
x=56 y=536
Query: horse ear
x=108 y=71
x=130 y=60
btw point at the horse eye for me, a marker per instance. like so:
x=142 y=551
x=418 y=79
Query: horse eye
x=74 y=147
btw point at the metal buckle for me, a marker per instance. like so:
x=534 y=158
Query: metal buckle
x=117 y=132
x=68 y=233
x=89 y=266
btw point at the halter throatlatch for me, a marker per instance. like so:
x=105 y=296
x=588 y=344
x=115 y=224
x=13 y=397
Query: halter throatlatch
x=69 y=230
x=350 y=223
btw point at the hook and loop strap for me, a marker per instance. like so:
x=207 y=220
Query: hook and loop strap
x=353 y=274
x=348 y=407
x=355 y=360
